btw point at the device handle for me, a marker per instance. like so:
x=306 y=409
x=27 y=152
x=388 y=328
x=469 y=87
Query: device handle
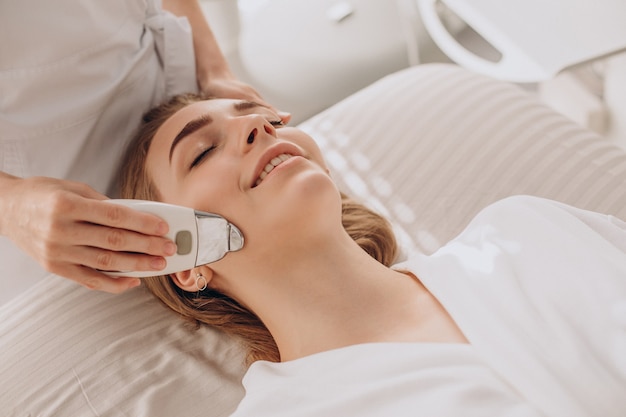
x=182 y=226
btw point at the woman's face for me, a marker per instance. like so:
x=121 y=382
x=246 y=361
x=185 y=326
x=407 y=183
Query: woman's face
x=233 y=158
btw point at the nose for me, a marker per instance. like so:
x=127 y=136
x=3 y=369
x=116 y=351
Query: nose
x=256 y=128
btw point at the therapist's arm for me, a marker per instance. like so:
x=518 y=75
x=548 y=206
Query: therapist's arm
x=213 y=73
x=68 y=228
x=210 y=61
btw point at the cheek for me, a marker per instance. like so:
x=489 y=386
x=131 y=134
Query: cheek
x=207 y=188
x=163 y=185
x=302 y=205
x=213 y=193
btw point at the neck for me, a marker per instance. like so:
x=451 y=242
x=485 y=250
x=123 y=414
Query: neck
x=332 y=295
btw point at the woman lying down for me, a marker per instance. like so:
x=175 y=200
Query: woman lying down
x=523 y=314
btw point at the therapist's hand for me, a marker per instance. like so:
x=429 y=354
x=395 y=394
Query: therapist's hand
x=213 y=73
x=69 y=229
x=225 y=85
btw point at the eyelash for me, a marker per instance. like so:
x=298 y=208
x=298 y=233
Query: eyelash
x=201 y=156
x=277 y=123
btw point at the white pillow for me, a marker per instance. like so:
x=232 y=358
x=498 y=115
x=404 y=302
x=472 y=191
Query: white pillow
x=432 y=145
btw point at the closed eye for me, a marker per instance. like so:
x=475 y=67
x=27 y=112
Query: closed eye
x=201 y=156
x=277 y=123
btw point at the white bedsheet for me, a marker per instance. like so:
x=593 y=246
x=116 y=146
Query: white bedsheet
x=541 y=297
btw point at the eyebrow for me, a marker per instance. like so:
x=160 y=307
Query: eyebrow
x=241 y=106
x=206 y=119
x=189 y=128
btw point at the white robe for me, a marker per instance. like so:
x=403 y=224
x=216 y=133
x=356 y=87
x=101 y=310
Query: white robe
x=75 y=79
x=539 y=290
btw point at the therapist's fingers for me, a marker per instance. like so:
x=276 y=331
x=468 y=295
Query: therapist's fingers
x=118 y=216
x=107 y=260
x=122 y=240
x=84 y=265
x=226 y=87
x=49 y=206
x=94 y=280
x=107 y=248
x=100 y=225
x=119 y=237
x=284 y=116
x=79 y=202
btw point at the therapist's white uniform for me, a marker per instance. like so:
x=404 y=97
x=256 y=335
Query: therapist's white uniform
x=75 y=78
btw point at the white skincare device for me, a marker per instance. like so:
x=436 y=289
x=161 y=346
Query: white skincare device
x=201 y=238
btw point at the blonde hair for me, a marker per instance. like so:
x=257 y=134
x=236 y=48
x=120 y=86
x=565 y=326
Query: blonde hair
x=371 y=231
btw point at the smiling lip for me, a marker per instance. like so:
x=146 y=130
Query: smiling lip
x=274 y=163
x=276 y=151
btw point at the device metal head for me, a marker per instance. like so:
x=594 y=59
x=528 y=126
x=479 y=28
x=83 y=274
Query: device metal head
x=216 y=237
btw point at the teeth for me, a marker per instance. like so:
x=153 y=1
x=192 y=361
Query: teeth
x=271 y=165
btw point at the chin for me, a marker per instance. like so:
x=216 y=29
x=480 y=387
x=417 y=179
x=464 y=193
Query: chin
x=307 y=206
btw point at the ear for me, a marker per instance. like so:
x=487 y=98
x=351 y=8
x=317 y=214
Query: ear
x=187 y=280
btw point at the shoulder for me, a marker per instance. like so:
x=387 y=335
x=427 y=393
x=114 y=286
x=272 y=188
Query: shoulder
x=521 y=207
x=541 y=218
